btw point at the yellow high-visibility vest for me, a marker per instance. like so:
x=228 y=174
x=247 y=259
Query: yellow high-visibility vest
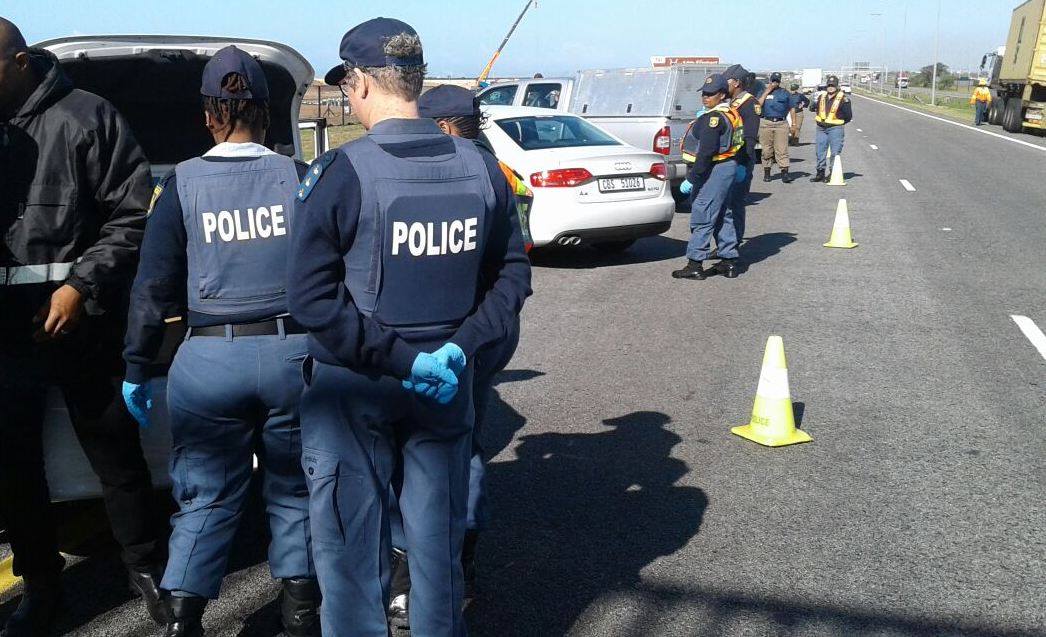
x=827 y=115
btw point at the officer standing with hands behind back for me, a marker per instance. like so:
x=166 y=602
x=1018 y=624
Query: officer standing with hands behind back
x=408 y=260
x=216 y=244
x=776 y=104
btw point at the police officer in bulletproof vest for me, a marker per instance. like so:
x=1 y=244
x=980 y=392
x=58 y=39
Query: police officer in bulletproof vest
x=776 y=105
x=407 y=261
x=745 y=104
x=832 y=112
x=216 y=247
x=74 y=189
x=714 y=142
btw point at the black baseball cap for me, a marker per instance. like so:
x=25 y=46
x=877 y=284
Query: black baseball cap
x=233 y=60
x=714 y=83
x=775 y=77
x=364 y=45
x=448 y=100
x=735 y=72
x=832 y=80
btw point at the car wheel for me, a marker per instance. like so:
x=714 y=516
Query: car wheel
x=1014 y=116
x=611 y=247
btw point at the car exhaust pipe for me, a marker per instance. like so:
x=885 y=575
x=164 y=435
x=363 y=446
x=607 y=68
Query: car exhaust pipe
x=568 y=241
x=575 y=241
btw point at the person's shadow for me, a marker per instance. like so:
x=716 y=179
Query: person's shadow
x=764 y=246
x=577 y=516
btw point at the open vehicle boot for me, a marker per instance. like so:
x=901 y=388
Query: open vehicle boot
x=146 y=584
x=692 y=270
x=818 y=177
x=727 y=267
x=399 y=593
x=300 y=607
x=185 y=616
x=40 y=606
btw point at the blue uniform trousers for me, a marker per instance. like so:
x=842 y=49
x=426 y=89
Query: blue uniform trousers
x=230 y=398
x=709 y=215
x=738 y=198
x=356 y=429
x=980 y=113
x=830 y=136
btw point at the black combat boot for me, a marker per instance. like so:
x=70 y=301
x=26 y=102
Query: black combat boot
x=146 y=584
x=185 y=616
x=692 y=270
x=785 y=177
x=727 y=267
x=300 y=607
x=40 y=605
x=399 y=594
x=766 y=174
x=818 y=177
x=468 y=562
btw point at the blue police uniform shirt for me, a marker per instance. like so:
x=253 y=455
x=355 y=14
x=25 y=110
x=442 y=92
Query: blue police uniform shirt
x=777 y=104
x=326 y=221
x=798 y=101
x=159 y=290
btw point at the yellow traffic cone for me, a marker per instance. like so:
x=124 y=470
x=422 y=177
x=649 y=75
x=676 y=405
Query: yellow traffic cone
x=837 y=172
x=841 y=229
x=773 y=424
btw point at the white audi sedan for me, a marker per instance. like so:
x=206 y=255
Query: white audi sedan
x=589 y=187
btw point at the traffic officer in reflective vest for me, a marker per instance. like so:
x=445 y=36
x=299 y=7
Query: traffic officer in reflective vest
x=216 y=245
x=456 y=111
x=776 y=106
x=714 y=141
x=408 y=260
x=745 y=104
x=799 y=103
x=981 y=100
x=831 y=112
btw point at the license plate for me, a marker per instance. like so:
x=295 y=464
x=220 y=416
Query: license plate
x=621 y=184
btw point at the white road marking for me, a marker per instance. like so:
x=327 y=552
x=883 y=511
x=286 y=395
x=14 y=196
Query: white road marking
x=874 y=147
x=907 y=185
x=1032 y=331
x=966 y=126
x=946 y=229
x=859 y=130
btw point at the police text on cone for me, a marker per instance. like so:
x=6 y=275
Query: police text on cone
x=837 y=172
x=773 y=424
x=841 y=228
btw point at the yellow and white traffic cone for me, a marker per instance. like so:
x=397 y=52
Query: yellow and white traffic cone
x=841 y=228
x=773 y=424
x=837 y=172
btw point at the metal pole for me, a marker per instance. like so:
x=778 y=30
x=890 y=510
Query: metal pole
x=486 y=70
x=900 y=67
x=936 y=51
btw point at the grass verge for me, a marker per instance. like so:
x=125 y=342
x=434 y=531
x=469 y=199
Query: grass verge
x=957 y=109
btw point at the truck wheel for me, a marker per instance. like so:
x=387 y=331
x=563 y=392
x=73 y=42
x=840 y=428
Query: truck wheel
x=1013 y=116
x=611 y=247
x=995 y=110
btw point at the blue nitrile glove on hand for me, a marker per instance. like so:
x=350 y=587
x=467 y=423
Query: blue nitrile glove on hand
x=686 y=187
x=453 y=357
x=431 y=378
x=741 y=174
x=139 y=401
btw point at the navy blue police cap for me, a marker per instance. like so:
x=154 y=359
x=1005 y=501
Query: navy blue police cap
x=775 y=77
x=735 y=72
x=364 y=45
x=447 y=100
x=233 y=60
x=714 y=83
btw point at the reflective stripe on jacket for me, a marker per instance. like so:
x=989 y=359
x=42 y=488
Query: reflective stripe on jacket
x=827 y=115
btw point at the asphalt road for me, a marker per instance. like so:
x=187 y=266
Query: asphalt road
x=624 y=506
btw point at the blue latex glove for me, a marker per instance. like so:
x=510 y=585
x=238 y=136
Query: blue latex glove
x=686 y=187
x=139 y=401
x=452 y=356
x=429 y=377
x=741 y=174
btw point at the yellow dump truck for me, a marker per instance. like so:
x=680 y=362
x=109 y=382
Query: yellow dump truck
x=1017 y=72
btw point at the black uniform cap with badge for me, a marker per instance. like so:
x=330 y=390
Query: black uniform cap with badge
x=234 y=60
x=446 y=101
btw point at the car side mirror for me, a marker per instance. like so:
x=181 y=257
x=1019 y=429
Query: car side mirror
x=984 y=60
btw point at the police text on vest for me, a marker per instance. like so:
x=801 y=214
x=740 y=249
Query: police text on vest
x=426 y=239
x=262 y=223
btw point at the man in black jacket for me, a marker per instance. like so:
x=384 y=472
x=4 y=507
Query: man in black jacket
x=74 y=189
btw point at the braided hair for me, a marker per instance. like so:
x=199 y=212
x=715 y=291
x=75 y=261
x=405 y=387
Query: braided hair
x=468 y=127
x=250 y=113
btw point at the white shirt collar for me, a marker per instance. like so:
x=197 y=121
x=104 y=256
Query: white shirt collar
x=238 y=149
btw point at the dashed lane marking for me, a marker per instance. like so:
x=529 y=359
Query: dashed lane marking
x=859 y=130
x=960 y=124
x=8 y=579
x=1032 y=331
x=907 y=185
x=874 y=147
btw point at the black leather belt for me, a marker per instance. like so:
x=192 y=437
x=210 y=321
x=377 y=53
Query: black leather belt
x=261 y=328
x=775 y=119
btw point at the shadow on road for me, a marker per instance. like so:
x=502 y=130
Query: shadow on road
x=578 y=516
x=648 y=250
x=764 y=246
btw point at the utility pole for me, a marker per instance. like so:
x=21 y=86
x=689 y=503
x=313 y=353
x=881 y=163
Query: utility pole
x=900 y=69
x=486 y=70
x=936 y=52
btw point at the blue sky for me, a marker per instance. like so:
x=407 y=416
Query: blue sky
x=561 y=36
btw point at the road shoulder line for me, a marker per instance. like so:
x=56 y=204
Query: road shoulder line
x=1032 y=331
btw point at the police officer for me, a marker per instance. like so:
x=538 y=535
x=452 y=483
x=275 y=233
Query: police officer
x=981 y=99
x=799 y=103
x=216 y=245
x=745 y=104
x=74 y=189
x=831 y=112
x=408 y=260
x=714 y=141
x=456 y=111
x=776 y=107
